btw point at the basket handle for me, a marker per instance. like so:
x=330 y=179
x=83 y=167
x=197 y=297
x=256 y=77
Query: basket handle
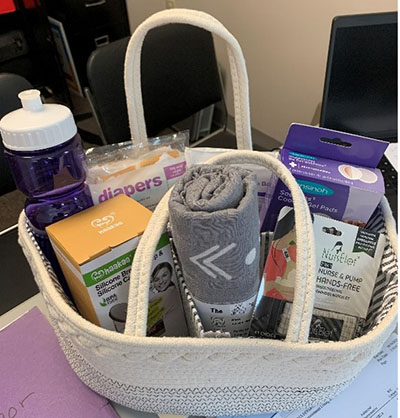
x=303 y=302
x=133 y=88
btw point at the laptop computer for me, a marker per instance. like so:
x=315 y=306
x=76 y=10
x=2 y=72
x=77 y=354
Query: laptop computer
x=360 y=91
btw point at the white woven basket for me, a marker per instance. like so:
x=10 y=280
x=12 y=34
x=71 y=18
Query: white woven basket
x=214 y=376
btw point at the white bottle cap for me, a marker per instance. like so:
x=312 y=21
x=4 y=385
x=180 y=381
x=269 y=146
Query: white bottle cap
x=36 y=125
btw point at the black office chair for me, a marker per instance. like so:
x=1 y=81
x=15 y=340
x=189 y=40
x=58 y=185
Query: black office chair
x=10 y=86
x=180 y=77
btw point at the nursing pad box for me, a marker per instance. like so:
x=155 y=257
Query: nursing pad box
x=335 y=170
x=96 y=248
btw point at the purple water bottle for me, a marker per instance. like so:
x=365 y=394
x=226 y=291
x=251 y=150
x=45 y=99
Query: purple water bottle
x=46 y=158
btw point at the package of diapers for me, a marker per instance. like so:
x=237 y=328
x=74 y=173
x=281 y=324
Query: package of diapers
x=143 y=173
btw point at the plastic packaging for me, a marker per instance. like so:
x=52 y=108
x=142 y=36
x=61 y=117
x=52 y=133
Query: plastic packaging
x=144 y=173
x=347 y=260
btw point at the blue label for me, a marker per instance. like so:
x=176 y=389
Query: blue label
x=315 y=188
x=297 y=154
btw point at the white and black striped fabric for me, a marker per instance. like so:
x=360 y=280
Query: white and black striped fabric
x=385 y=291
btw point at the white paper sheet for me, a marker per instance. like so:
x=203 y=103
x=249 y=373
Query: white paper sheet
x=372 y=395
x=391 y=154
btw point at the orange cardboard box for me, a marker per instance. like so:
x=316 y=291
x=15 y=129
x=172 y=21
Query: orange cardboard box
x=95 y=249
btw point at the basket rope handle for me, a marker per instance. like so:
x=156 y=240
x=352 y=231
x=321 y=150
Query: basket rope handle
x=304 y=291
x=303 y=302
x=133 y=88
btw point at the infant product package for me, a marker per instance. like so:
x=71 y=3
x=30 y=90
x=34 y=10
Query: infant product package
x=347 y=263
x=335 y=170
x=95 y=249
x=144 y=173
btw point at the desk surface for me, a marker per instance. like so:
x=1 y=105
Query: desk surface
x=37 y=300
x=17 y=277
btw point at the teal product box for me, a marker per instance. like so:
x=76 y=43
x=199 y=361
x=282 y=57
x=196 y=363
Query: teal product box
x=336 y=172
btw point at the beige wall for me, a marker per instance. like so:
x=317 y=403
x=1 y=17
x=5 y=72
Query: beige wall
x=285 y=44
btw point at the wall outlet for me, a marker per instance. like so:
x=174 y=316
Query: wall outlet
x=170 y=4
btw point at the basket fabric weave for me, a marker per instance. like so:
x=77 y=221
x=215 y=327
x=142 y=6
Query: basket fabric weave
x=202 y=376
x=214 y=376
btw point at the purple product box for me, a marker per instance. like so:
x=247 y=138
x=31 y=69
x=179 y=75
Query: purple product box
x=336 y=171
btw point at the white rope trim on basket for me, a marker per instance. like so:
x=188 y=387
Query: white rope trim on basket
x=138 y=300
x=303 y=303
x=133 y=88
x=305 y=273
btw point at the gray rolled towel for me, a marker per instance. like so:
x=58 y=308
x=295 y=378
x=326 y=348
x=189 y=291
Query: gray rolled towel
x=215 y=227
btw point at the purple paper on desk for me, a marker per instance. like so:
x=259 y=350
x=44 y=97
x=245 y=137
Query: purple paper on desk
x=36 y=380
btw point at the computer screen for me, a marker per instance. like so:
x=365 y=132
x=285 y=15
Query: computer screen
x=360 y=93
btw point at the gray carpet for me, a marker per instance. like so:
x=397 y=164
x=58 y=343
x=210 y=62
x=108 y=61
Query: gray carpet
x=11 y=205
